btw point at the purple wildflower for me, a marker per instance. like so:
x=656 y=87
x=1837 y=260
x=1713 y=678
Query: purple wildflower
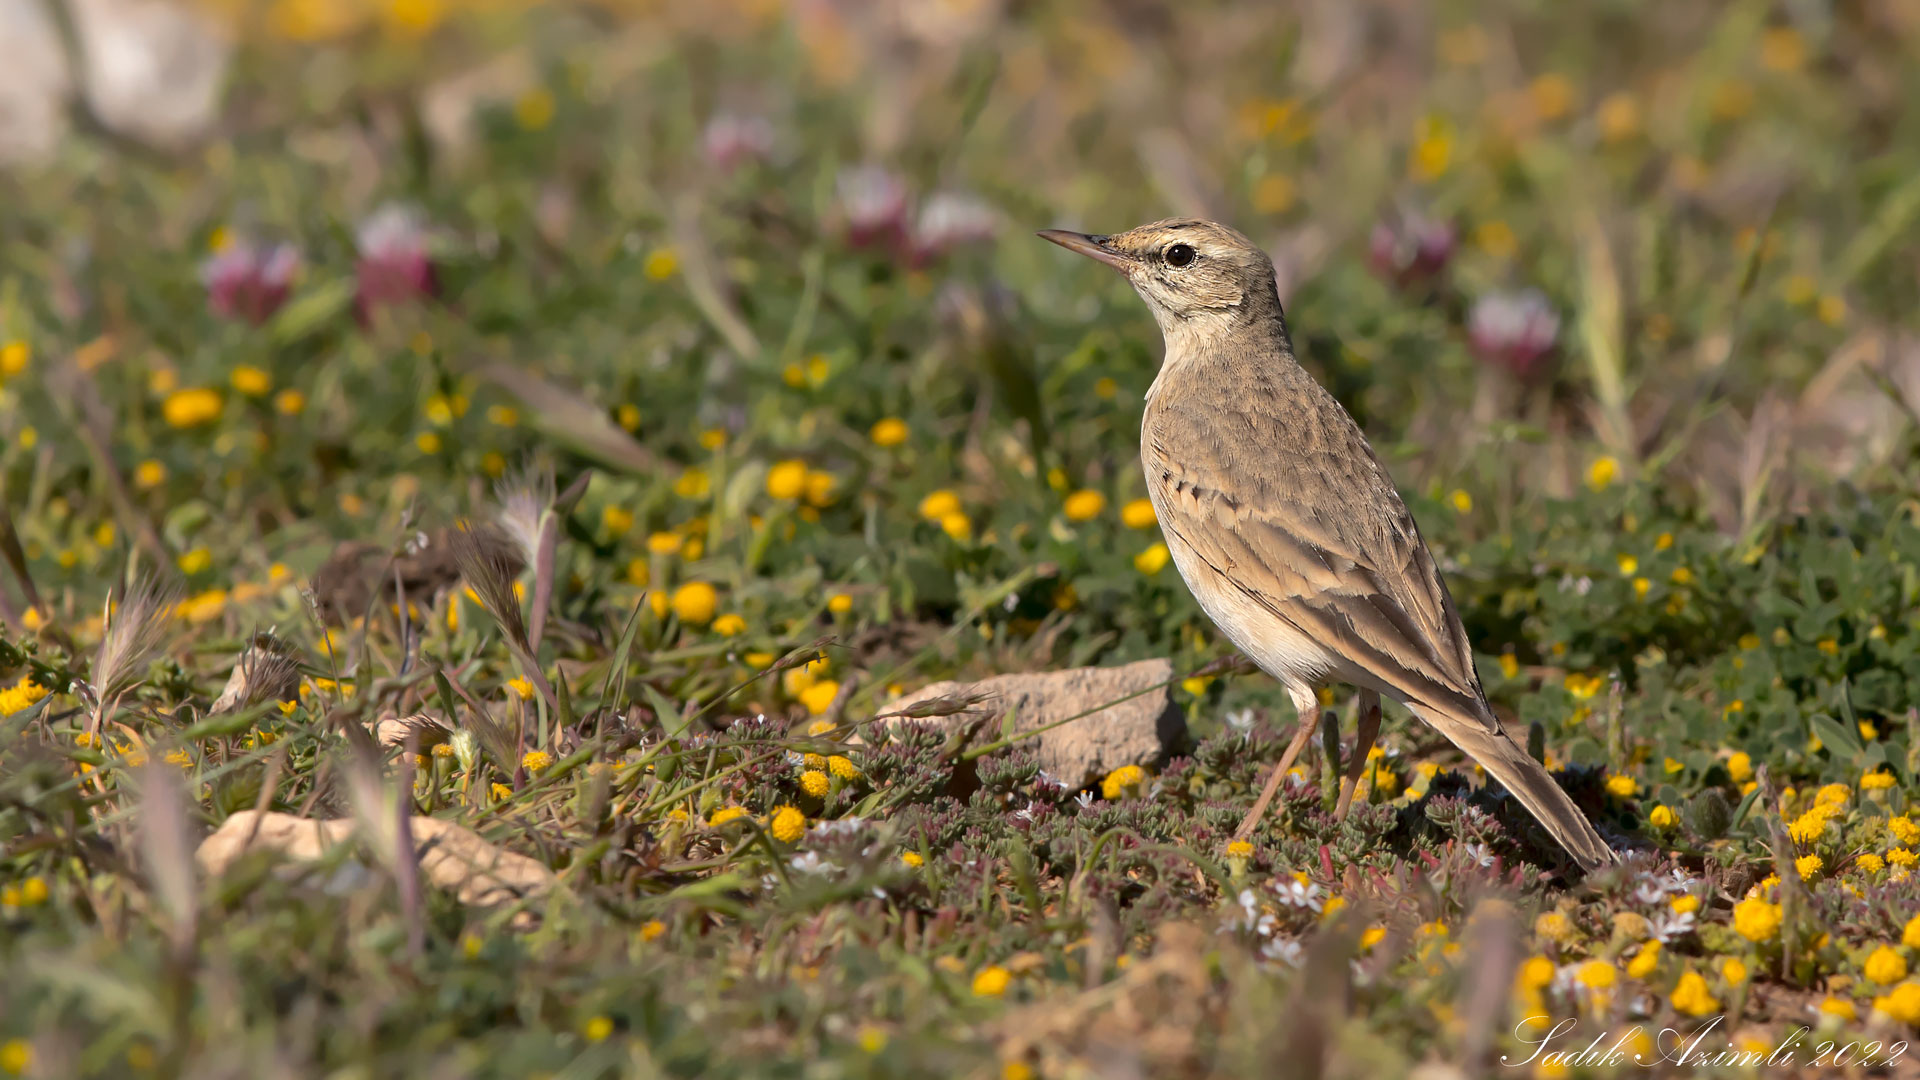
x=247 y=282
x=394 y=267
x=1515 y=331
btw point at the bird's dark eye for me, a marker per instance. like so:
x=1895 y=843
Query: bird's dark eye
x=1179 y=255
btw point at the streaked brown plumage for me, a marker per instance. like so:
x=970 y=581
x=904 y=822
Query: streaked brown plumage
x=1285 y=524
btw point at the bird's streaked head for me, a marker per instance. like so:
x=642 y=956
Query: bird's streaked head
x=1186 y=269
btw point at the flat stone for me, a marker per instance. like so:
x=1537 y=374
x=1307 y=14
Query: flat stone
x=1136 y=731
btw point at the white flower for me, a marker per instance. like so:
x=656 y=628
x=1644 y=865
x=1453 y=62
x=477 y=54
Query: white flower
x=1240 y=721
x=1084 y=799
x=1479 y=854
x=1284 y=950
x=1298 y=894
x=1670 y=925
x=811 y=863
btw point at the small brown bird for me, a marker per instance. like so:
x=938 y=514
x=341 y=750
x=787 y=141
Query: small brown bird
x=1287 y=527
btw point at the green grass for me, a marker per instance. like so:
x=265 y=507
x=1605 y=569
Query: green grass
x=1684 y=543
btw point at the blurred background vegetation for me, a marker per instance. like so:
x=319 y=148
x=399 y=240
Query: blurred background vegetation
x=1623 y=291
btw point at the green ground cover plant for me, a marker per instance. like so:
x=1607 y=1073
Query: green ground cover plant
x=577 y=424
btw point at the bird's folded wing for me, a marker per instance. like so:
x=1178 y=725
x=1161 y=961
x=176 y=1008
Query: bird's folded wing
x=1321 y=539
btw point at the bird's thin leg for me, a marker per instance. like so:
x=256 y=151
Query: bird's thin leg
x=1369 y=710
x=1302 y=735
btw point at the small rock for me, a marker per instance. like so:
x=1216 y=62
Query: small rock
x=1136 y=731
x=33 y=96
x=152 y=70
x=452 y=857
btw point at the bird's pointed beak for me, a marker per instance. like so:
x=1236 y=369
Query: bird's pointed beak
x=1093 y=247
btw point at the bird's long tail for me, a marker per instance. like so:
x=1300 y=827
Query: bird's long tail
x=1529 y=782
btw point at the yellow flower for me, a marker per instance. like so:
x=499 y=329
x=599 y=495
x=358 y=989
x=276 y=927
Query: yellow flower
x=654 y=929
x=992 y=981
x=661 y=264
x=250 y=380
x=1732 y=970
x=1870 y=863
x=1782 y=49
x=522 y=687
x=1910 y=936
x=787 y=480
x=1603 y=472
x=1807 y=866
x=1876 y=781
x=1240 y=849
x=1496 y=239
x=815 y=783
x=1830 y=309
x=913 y=859
x=1534 y=974
x=1740 y=767
x=1903 y=1003
x=958 y=526
x=1152 y=560
x=1661 y=816
x=195 y=561
x=149 y=474
x=729 y=625
x=191 y=408
x=290 y=402
x=1432 y=149
x=16 y=1055
x=1582 y=686
x=1885 y=966
x=1628 y=565
x=1597 y=974
x=938 y=504
x=1641 y=586
x=695 y=483
x=179 y=758
x=1273 y=193
x=14 y=356
x=665 y=543
x=501 y=791
x=1371 y=936
x=1756 y=919
x=536 y=760
x=1684 y=904
x=1084 y=505
x=1623 y=786
x=1124 y=780
x=428 y=442
x=1644 y=961
x=726 y=814
x=598 y=1028
x=1618 y=117
x=840 y=603
x=842 y=766
x=889 y=432
x=818 y=698
x=1691 y=996
x=788 y=824
x=1461 y=501
x=1138 y=514
x=694 y=602
x=1840 y=1007
x=617 y=520
x=1903 y=830
x=1551 y=95
x=1553 y=926
x=820 y=488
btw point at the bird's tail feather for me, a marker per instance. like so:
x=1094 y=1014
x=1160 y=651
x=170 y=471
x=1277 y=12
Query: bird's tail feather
x=1529 y=782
